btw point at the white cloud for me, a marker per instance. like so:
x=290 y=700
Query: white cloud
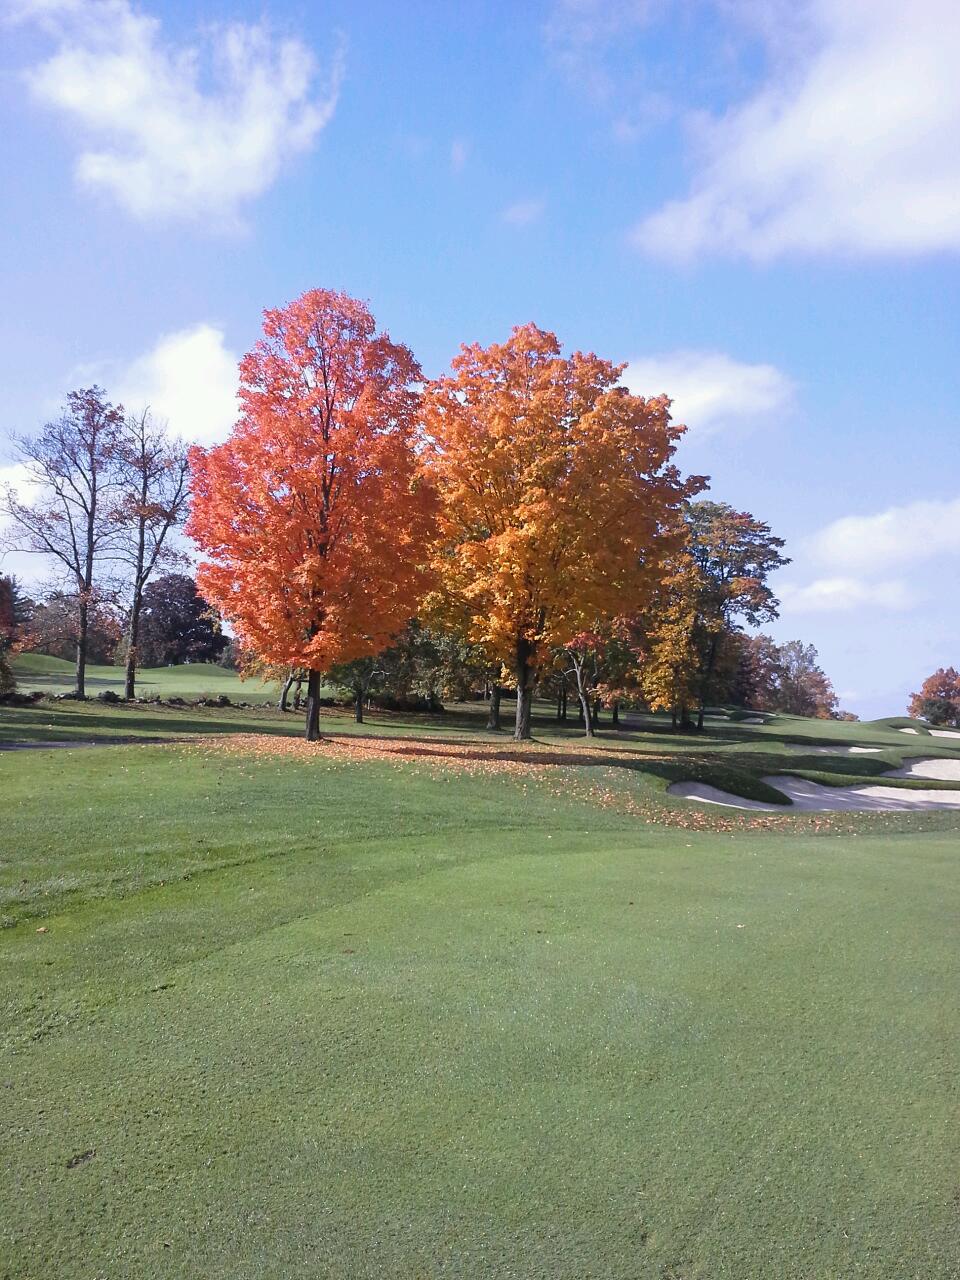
x=709 y=389
x=904 y=535
x=169 y=135
x=190 y=378
x=523 y=213
x=833 y=595
x=28 y=567
x=849 y=146
x=16 y=477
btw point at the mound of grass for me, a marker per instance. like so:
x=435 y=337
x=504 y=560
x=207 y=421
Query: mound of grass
x=900 y=722
x=38 y=671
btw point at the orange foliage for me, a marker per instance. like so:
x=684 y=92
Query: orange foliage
x=311 y=515
x=557 y=489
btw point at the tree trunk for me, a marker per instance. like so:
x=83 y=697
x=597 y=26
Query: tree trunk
x=705 y=682
x=82 y=648
x=493 y=715
x=313 y=706
x=524 y=691
x=285 y=692
x=615 y=715
x=583 y=696
x=596 y=713
x=130 y=687
x=133 y=635
x=358 y=706
x=586 y=719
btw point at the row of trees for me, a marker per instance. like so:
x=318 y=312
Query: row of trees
x=111 y=488
x=176 y=624
x=525 y=510
x=527 y=504
x=522 y=501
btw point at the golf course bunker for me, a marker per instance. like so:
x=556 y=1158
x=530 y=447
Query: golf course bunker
x=814 y=797
x=836 y=751
x=945 y=733
x=941 y=770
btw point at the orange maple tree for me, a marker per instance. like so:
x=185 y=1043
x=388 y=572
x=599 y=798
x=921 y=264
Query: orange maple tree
x=939 y=698
x=558 y=496
x=313 y=515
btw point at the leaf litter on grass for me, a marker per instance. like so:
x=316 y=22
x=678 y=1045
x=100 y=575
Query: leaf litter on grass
x=558 y=771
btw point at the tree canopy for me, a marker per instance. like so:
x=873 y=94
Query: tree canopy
x=558 y=496
x=312 y=517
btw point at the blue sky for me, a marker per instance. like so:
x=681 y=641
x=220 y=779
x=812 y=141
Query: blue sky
x=756 y=205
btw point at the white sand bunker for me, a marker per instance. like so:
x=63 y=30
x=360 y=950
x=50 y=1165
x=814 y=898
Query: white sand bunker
x=837 y=751
x=909 y=730
x=943 y=770
x=813 y=796
x=946 y=733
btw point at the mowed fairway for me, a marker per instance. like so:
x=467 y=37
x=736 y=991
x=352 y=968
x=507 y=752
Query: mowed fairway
x=324 y=1017
x=38 y=671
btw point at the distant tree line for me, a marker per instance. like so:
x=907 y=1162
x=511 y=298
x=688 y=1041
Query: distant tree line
x=176 y=625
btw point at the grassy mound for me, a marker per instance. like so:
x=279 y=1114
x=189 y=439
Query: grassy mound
x=901 y=722
x=38 y=671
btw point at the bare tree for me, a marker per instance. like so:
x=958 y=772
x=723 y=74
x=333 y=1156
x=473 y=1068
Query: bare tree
x=73 y=463
x=152 y=471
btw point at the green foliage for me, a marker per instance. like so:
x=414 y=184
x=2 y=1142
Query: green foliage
x=177 y=624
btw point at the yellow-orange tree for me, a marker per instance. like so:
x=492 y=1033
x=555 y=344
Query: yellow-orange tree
x=313 y=515
x=669 y=673
x=558 y=496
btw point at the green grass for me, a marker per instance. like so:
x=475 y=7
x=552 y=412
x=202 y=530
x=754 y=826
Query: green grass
x=314 y=1017
x=38 y=671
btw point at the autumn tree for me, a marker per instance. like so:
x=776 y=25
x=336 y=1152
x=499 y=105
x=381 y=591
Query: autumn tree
x=670 y=674
x=603 y=666
x=756 y=678
x=55 y=619
x=73 y=519
x=939 y=698
x=803 y=688
x=312 y=516
x=556 y=487
x=621 y=666
x=14 y=615
x=733 y=553
x=151 y=503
